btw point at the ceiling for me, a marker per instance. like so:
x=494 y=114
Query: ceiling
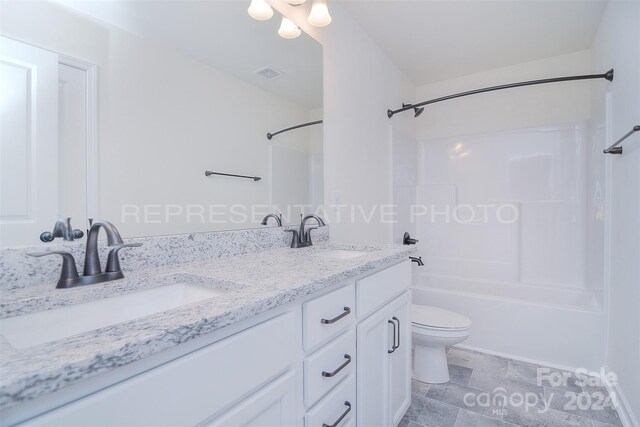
x=435 y=40
x=221 y=34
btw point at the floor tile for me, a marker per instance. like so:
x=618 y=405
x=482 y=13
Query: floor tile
x=540 y=417
x=472 y=419
x=419 y=388
x=583 y=404
x=466 y=398
x=444 y=405
x=460 y=374
x=509 y=386
x=429 y=412
x=600 y=424
x=477 y=361
x=544 y=376
x=523 y=371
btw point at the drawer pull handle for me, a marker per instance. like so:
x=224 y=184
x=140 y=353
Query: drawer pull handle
x=344 y=414
x=338 y=369
x=393 y=346
x=346 y=312
x=399 y=329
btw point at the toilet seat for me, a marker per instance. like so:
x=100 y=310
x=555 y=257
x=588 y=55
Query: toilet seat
x=429 y=317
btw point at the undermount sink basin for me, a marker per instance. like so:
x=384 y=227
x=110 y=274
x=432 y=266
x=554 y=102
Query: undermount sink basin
x=342 y=253
x=45 y=326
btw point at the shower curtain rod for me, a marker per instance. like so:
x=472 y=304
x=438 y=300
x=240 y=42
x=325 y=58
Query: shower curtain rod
x=614 y=149
x=271 y=135
x=608 y=76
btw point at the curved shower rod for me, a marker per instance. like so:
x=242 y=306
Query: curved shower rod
x=416 y=107
x=271 y=135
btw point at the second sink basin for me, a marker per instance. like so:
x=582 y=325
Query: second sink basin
x=45 y=326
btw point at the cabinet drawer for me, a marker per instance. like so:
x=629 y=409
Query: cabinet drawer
x=374 y=291
x=328 y=315
x=328 y=366
x=192 y=388
x=341 y=401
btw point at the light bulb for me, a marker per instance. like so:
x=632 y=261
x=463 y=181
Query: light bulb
x=260 y=10
x=288 y=29
x=319 y=16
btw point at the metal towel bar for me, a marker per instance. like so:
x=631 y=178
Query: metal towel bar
x=255 y=178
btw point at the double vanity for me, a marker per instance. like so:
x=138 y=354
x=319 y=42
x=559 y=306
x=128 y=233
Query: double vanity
x=316 y=336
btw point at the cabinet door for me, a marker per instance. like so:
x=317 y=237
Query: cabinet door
x=272 y=406
x=400 y=359
x=374 y=340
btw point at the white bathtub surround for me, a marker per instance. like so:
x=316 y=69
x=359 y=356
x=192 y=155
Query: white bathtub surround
x=19 y=270
x=253 y=283
x=506 y=321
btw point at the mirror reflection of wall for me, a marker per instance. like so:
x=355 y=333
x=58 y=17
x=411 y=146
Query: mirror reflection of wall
x=178 y=90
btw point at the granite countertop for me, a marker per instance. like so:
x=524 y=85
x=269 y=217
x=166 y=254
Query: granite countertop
x=253 y=283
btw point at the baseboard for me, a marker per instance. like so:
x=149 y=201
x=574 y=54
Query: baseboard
x=522 y=359
x=625 y=413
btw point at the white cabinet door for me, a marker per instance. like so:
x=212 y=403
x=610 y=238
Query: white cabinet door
x=28 y=142
x=373 y=343
x=273 y=406
x=400 y=359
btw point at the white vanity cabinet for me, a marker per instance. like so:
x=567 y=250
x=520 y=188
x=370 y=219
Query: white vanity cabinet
x=341 y=358
x=384 y=348
x=232 y=373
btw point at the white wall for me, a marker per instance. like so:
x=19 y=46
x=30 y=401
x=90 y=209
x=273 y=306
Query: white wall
x=617 y=45
x=517 y=108
x=164 y=119
x=360 y=84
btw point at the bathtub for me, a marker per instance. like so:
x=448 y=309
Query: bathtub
x=563 y=327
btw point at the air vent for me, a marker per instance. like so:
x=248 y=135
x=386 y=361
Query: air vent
x=269 y=73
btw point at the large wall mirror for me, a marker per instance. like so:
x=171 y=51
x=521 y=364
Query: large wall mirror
x=115 y=109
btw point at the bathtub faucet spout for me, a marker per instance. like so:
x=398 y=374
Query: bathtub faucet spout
x=417 y=260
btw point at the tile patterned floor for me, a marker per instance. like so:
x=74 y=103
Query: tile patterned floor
x=491 y=391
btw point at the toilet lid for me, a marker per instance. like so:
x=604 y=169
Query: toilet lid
x=435 y=317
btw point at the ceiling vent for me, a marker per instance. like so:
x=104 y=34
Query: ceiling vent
x=269 y=73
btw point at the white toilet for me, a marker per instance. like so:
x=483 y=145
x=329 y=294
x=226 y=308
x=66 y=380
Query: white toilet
x=432 y=329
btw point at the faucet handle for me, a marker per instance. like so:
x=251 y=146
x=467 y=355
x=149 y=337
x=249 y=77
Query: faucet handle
x=69 y=271
x=113 y=261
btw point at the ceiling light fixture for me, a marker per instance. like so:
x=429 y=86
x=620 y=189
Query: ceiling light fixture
x=319 y=15
x=260 y=10
x=295 y=2
x=288 y=29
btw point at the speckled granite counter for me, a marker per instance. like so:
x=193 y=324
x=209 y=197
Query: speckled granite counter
x=253 y=283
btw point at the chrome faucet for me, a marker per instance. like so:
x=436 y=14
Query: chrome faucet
x=278 y=219
x=69 y=277
x=302 y=238
x=63 y=229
